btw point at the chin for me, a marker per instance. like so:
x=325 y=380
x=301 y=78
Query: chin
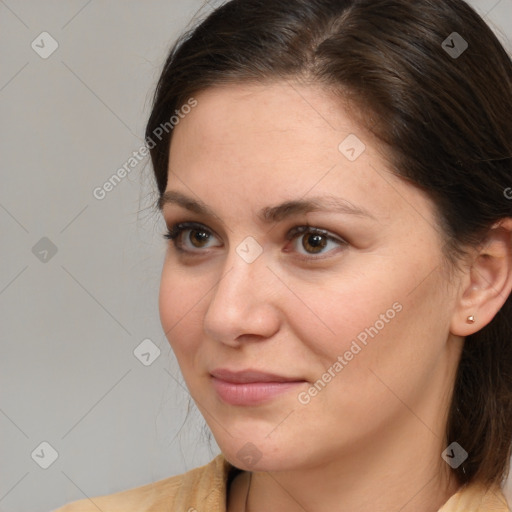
x=261 y=456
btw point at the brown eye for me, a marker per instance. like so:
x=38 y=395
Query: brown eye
x=198 y=237
x=188 y=236
x=314 y=242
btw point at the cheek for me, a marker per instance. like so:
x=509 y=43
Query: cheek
x=384 y=317
x=344 y=308
x=387 y=330
x=180 y=308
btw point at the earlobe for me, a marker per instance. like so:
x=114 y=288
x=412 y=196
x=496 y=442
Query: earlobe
x=487 y=281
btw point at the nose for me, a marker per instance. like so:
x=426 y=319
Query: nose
x=243 y=302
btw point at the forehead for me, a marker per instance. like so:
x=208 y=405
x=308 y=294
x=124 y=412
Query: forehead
x=265 y=143
x=279 y=131
x=266 y=118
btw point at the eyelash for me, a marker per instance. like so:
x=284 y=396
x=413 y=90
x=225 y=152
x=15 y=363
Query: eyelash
x=177 y=229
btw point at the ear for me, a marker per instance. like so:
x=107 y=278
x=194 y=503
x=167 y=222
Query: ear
x=487 y=282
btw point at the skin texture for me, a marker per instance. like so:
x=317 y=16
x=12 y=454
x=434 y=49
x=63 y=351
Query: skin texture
x=372 y=438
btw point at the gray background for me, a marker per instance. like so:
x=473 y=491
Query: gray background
x=70 y=321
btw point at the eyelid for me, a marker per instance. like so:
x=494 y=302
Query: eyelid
x=179 y=228
x=295 y=232
x=307 y=228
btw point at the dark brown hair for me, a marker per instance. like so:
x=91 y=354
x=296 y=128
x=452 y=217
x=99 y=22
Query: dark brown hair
x=446 y=119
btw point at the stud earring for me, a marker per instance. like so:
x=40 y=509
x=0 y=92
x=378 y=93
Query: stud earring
x=471 y=319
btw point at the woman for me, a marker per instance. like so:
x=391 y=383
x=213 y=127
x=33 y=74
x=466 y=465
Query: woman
x=335 y=176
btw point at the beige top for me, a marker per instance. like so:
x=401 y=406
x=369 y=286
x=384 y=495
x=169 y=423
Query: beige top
x=204 y=489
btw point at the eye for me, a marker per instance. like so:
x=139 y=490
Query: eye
x=197 y=239
x=313 y=241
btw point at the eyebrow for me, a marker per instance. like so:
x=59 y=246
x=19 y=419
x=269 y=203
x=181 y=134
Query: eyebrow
x=272 y=214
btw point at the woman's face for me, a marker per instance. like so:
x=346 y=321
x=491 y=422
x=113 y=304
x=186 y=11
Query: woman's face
x=357 y=317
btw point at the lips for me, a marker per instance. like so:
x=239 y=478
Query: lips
x=246 y=376
x=251 y=387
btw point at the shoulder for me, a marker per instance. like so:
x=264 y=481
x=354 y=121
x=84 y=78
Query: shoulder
x=477 y=497
x=203 y=488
